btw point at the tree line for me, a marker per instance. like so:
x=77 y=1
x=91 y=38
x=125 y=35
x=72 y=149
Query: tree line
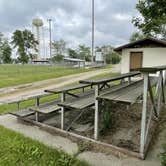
x=83 y=52
x=23 y=42
x=152 y=23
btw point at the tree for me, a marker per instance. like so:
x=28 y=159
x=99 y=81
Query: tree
x=6 y=52
x=1 y=44
x=115 y=58
x=57 y=58
x=84 y=52
x=58 y=47
x=72 y=53
x=24 y=41
x=153 y=20
x=136 y=36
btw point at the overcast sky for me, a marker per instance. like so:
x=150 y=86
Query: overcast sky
x=72 y=19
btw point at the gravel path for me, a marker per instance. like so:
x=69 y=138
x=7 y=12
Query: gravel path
x=10 y=94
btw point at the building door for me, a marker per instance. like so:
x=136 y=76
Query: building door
x=136 y=60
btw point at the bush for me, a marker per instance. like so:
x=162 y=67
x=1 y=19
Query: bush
x=163 y=156
x=57 y=58
x=113 y=58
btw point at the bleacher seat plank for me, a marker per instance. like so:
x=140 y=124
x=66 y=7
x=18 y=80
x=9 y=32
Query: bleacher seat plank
x=22 y=113
x=89 y=99
x=45 y=110
x=128 y=94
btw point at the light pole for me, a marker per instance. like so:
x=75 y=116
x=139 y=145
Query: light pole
x=50 y=33
x=93 y=28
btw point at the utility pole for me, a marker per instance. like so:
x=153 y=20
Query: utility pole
x=93 y=28
x=50 y=35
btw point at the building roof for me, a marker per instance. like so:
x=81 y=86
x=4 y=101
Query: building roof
x=74 y=60
x=142 y=42
x=40 y=60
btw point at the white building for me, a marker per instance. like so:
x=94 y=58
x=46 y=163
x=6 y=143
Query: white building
x=147 y=52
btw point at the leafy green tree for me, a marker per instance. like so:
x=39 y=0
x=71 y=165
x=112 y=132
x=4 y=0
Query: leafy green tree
x=108 y=58
x=59 y=47
x=107 y=52
x=24 y=41
x=6 y=52
x=136 y=36
x=112 y=58
x=72 y=53
x=84 y=52
x=1 y=44
x=153 y=20
x=115 y=58
x=57 y=58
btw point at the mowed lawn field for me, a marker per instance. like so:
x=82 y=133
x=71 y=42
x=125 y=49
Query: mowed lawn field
x=11 y=75
x=15 y=149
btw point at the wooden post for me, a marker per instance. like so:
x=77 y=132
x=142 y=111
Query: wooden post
x=62 y=111
x=96 y=123
x=144 y=112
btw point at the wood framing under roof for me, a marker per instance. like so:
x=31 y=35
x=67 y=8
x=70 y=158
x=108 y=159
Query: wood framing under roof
x=147 y=42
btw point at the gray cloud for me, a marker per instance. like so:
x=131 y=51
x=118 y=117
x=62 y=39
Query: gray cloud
x=72 y=19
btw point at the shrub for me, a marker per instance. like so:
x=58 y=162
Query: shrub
x=163 y=156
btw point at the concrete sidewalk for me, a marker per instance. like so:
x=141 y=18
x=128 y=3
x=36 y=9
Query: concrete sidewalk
x=95 y=159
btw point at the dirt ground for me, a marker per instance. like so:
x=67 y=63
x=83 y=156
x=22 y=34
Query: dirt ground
x=123 y=130
x=94 y=158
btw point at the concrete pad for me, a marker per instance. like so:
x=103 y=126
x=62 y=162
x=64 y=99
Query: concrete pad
x=34 y=132
x=100 y=159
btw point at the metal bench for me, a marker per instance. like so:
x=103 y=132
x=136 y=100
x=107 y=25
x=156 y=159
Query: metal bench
x=88 y=100
x=45 y=108
x=128 y=94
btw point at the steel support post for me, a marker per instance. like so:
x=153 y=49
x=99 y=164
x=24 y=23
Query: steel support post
x=144 y=112
x=129 y=80
x=62 y=111
x=37 y=102
x=36 y=116
x=96 y=123
x=159 y=93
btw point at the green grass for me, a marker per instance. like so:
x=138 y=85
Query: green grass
x=17 y=150
x=19 y=74
x=163 y=156
x=6 y=108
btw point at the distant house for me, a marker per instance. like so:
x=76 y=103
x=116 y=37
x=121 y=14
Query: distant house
x=147 y=52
